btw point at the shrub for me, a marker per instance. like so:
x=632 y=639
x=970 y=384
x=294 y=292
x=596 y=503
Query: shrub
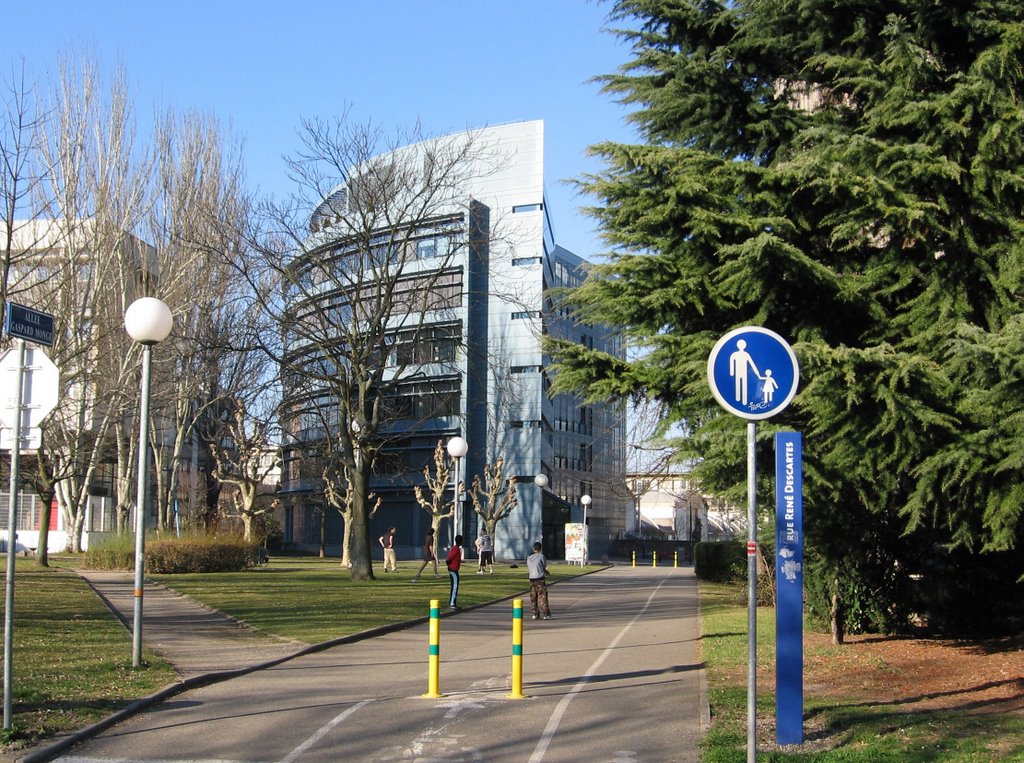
x=117 y=553
x=170 y=554
x=720 y=561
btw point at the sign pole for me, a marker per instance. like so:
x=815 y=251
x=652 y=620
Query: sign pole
x=751 y=592
x=12 y=546
x=753 y=373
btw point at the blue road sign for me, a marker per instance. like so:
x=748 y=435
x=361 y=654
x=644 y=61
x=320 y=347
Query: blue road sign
x=789 y=588
x=26 y=323
x=753 y=372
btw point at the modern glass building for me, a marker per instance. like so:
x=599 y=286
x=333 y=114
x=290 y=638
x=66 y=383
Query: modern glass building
x=477 y=272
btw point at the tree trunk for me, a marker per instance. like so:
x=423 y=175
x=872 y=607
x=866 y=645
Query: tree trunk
x=359 y=541
x=323 y=532
x=42 y=551
x=835 y=614
x=247 y=519
x=346 y=533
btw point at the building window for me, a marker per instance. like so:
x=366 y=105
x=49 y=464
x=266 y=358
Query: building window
x=518 y=208
x=431 y=344
x=524 y=261
x=424 y=400
x=526 y=424
x=426 y=248
x=523 y=315
x=525 y=369
x=429 y=248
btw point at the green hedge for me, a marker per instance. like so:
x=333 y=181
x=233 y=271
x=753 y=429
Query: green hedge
x=170 y=554
x=720 y=561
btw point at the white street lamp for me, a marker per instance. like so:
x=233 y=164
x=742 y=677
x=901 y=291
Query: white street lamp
x=541 y=481
x=457 y=449
x=147 y=321
x=585 y=500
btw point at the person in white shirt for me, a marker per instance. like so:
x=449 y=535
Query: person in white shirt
x=537 y=567
x=485 y=552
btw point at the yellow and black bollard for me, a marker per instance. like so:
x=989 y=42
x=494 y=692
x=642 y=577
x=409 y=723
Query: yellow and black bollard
x=634 y=558
x=517 y=650
x=675 y=558
x=654 y=558
x=434 y=665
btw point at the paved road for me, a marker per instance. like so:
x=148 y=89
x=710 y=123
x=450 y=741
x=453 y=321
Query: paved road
x=613 y=677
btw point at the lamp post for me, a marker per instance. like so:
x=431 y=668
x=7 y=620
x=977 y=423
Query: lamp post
x=147 y=321
x=541 y=481
x=585 y=500
x=457 y=449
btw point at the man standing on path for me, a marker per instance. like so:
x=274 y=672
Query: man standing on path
x=454 y=561
x=485 y=551
x=537 y=567
x=387 y=542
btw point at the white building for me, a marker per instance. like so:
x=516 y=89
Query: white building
x=474 y=366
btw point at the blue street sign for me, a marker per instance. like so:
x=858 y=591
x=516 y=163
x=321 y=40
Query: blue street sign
x=789 y=588
x=753 y=372
x=26 y=323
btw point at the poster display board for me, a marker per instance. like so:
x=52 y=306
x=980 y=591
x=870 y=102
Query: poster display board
x=576 y=543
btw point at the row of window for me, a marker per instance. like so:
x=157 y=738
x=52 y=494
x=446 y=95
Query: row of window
x=525 y=424
x=437 y=344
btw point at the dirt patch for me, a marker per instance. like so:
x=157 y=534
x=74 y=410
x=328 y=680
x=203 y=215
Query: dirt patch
x=919 y=674
x=901 y=675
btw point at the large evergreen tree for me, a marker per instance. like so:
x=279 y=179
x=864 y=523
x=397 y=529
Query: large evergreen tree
x=847 y=174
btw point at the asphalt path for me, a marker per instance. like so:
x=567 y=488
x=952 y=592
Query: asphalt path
x=615 y=676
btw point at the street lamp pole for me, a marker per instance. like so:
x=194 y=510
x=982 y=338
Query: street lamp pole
x=585 y=500
x=541 y=481
x=147 y=321
x=457 y=449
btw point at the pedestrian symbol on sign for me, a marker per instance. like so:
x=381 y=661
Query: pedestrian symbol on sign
x=747 y=367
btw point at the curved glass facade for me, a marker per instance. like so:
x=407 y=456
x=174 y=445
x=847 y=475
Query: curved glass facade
x=454 y=301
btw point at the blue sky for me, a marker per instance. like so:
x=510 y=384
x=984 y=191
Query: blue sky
x=261 y=66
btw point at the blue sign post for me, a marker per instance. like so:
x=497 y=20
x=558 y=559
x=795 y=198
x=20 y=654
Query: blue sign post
x=753 y=374
x=26 y=323
x=789 y=588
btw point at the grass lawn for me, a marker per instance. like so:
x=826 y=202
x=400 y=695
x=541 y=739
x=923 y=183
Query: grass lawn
x=313 y=600
x=837 y=729
x=72 y=657
x=72 y=660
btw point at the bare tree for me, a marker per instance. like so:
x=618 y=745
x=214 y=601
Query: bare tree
x=494 y=496
x=21 y=185
x=437 y=482
x=340 y=496
x=242 y=459
x=195 y=223
x=365 y=284
x=103 y=191
x=648 y=456
x=98 y=185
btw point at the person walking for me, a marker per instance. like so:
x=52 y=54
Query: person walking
x=485 y=551
x=387 y=542
x=454 y=561
x=537 y=568
x=428 y=555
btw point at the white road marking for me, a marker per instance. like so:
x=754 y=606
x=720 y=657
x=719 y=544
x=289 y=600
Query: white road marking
x=556 y=717
x=438 y=744
x=325 y=729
